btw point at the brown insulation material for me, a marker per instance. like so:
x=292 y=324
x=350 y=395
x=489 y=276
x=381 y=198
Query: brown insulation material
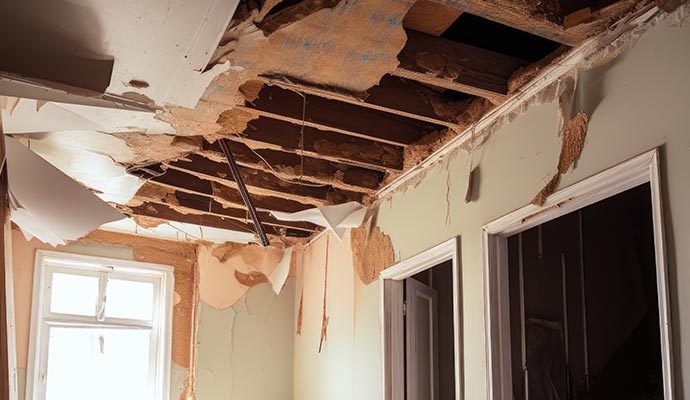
x=574 y=137
x=527 y=73
x=250 y=279
x=372 y=252
x=428 y=144
x=183 y=258
x=227 y=250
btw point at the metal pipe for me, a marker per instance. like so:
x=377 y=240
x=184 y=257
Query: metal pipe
x=225 y=145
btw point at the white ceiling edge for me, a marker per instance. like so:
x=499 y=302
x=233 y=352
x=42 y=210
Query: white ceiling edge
x=179 y=231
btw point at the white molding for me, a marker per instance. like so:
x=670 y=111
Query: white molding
x=391 y=314
x=634 y=172
x=9 y=311
x=57 y=261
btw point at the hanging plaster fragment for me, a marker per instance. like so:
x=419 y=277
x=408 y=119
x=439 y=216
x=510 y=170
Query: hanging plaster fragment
x=573 y=141
x=324 y=317
x=299 y=313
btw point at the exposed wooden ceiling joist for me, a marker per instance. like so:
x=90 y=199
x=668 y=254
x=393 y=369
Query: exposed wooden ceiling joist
x=292 y=167
x=166 y=213
x=260 y=182
x=284 y=136
x=164 y=187
x=542 y=19
x=456 y=66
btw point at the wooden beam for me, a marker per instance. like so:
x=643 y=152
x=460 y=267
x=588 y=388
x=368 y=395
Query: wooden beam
x=163 y=185
x=456 y=66
x=290 y=166
x=330 y=115
x=531 y=17
x=263 y=183
x=392 y=95
x=284 y=136
x=192 y=203
x=167 y=213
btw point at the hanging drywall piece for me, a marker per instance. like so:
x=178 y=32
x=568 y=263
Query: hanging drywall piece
x=324 y=315
x=47 y=204
x=281 y=271
x=337 y=218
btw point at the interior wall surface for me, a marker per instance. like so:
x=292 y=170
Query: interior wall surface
x=245 y=351
x=636 y=103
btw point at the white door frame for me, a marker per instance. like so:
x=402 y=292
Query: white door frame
x=627 y=175
x=392 y=337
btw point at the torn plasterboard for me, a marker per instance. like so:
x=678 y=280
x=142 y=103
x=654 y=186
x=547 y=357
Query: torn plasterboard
x=337 y=218
x=88 y=158
x=281 y=271
x=164 y=44
x=31 y=116
x=47 y=204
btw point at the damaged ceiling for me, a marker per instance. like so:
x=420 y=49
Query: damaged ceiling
x=325 y=102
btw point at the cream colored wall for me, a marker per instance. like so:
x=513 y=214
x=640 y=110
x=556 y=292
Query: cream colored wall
x=245 y=351
x=640 y=101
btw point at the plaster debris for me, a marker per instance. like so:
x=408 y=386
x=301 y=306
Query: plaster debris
x=372 y=252
x=573 y=142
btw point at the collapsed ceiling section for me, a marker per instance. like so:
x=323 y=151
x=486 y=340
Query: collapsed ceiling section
x=324 y=102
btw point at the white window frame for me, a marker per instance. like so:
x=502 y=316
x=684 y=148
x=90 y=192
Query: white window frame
x=627 y=175
x=392 y=332
x=48 y=262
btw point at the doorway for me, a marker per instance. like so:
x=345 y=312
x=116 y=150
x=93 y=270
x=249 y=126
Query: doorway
x=421 y=326
x=584 y=312
x=577 y=292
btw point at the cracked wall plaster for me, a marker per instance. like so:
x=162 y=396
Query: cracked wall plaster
x=246 y=351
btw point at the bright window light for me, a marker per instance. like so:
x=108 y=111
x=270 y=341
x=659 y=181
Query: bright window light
x=101 y=329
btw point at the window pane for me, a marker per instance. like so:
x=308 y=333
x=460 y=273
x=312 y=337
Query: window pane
x=129 y=299
x=74 y=294
x=104 y=364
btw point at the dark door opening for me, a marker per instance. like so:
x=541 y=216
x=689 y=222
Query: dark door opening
x=584 y=308
x=429 y=334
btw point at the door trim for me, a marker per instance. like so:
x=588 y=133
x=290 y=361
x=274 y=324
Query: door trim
x=392 y=324
x=627 y=175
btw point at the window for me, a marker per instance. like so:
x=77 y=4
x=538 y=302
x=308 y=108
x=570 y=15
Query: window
x=101 y=329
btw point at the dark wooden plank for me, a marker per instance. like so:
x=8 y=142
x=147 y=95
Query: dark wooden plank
x=456 y=66
x=167 y=213
x=285 y=136
x=175 y=179
x=260 y=182
x=290 y=166
x=336 y=115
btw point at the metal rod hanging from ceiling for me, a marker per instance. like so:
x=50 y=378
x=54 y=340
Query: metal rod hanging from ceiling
x=225 y=145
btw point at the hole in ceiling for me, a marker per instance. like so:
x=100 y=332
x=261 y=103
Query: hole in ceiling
x=489 y=35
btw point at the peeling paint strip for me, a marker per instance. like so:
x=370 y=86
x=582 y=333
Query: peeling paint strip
x=324 y=317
